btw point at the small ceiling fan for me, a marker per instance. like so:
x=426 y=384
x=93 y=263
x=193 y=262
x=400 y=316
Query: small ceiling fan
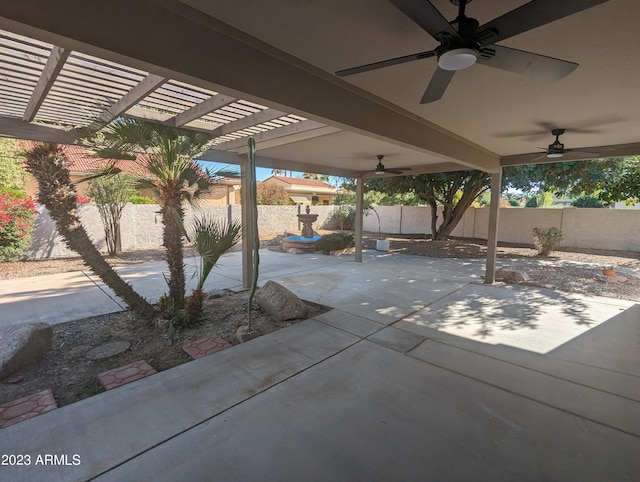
x=463 y=42
x=556 y=149
x=380 y=169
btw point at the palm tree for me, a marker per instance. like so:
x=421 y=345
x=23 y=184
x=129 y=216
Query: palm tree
x=211 y=238
x=48 y=165
x=168 y=154
x=317 y=177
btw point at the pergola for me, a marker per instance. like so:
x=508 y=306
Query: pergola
x=266 y=70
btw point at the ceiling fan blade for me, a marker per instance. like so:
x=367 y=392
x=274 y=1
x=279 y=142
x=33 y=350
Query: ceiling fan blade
x=426 y=16
x=595 y=154
x=525 y=63
x=386 y=63
x=532 y=15
x=397 y=170
x=540 y=157
x=437 y=85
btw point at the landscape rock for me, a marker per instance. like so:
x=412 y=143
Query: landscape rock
x=21 y=345
x=279 y=302
x=511 y=276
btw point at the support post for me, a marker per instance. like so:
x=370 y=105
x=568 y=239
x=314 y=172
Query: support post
x=359 y=218
x=247 y=257
x=492 y=238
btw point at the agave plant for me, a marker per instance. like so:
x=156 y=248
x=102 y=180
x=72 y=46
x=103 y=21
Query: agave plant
x=211 y=238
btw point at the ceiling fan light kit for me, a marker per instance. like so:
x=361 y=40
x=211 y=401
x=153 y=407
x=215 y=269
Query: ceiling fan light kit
x=464 y=42
x=457 y=59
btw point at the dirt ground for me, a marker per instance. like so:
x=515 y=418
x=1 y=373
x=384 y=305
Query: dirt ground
x=72 y=376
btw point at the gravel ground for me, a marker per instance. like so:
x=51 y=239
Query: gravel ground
x=577 y=271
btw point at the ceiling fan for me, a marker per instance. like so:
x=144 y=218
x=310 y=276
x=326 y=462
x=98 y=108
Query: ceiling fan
x=556 y=149
x=463 y=42
x=380 y=169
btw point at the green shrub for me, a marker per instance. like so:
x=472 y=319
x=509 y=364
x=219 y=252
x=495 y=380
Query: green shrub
x=136 y=199
x=334 y=242
x=532 y=202
x=546 y=239
x=587 y=202
x=16 y=225
x=345 y=216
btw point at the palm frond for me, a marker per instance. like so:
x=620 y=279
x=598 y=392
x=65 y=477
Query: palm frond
x=211 y=239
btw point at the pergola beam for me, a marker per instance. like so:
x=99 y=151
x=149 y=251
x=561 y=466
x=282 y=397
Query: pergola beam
x=248 y=121
x=52 y=68
x=19 y=129
x=302 y=135
x=205 y=107
x=215 y=155
x=280 y=132
x=147 y=85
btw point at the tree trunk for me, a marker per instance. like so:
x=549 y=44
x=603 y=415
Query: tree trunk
x=172 y=218
x=451 y=215
x=57 y=193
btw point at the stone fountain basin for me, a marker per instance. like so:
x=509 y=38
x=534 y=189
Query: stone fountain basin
x=300 y=243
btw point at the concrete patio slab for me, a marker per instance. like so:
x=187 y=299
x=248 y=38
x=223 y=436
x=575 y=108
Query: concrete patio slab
x=506 y=383
x=608 y=409
x=355 y=325
x=590 y=375
x=369 y=413
x=398 y=340
x=534 y=319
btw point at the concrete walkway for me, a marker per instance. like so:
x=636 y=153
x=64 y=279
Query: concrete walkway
x=419 y=373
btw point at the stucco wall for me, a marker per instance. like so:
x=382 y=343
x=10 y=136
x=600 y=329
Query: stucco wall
x=141 y=225
x=584 y=228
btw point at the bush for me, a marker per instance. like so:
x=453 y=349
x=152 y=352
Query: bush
x=345 y=216
x=135 y=199
x=587 y=202
x=532 y=202
x=334 y=242
x=272 y=194
x=546 y=239
x=16 y=225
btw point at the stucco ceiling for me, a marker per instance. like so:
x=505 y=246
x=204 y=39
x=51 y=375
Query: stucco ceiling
x=284 y=54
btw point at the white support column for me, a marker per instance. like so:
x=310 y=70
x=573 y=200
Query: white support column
x=247 y=265
x=359 y=217
x=492 y=239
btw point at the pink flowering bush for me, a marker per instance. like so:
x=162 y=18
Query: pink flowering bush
x=17 y=215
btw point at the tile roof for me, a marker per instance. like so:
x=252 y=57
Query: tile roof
x=81 y=161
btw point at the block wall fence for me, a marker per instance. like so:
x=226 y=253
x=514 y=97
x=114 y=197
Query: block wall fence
x=141 y=227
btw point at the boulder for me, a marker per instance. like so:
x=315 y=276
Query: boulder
x=21 y=345
x=279 y=302
x=512 y=276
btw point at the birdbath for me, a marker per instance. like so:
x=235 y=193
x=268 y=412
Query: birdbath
x=307 y=220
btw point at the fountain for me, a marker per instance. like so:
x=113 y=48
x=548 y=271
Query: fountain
x=306 y=242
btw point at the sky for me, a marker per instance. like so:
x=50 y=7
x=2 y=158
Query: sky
x=261 y=172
